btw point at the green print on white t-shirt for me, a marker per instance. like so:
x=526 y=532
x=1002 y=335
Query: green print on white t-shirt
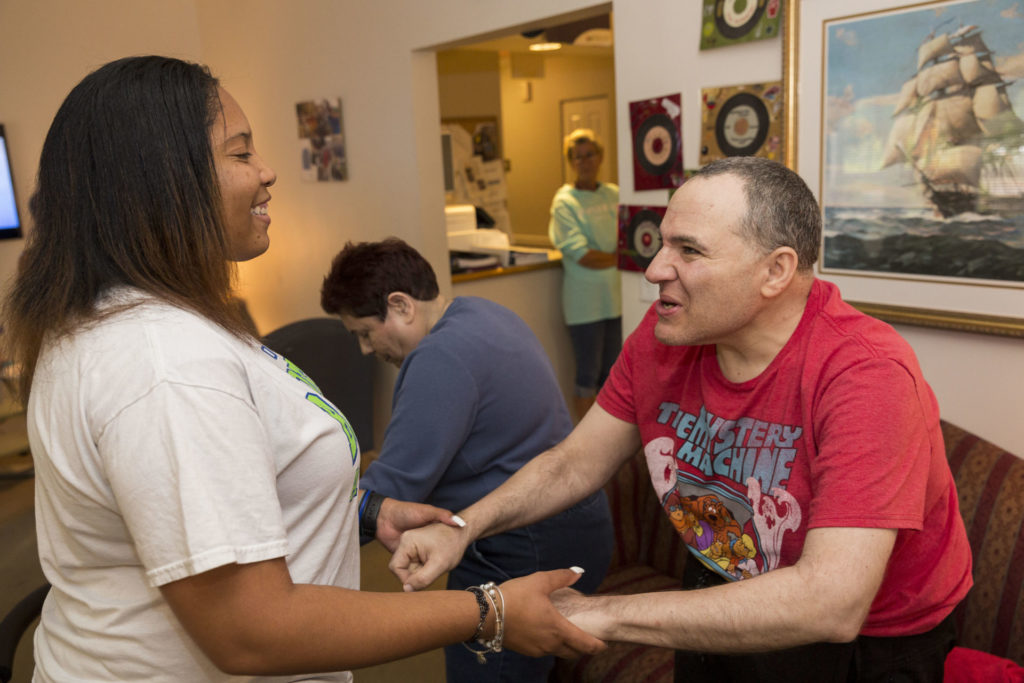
x=326 y=406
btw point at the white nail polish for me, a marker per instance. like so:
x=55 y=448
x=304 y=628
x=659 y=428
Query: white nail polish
x=578 y=570
x=458 y=520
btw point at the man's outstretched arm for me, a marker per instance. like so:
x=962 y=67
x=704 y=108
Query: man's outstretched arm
x=551 y=482
x=824 y=597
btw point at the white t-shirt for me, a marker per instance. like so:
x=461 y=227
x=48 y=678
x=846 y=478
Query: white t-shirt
x=165 y=447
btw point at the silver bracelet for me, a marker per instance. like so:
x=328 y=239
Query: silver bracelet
x=494 y=597
x=493 y=593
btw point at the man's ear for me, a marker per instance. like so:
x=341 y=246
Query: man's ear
x=402 y=306
x=780 y=268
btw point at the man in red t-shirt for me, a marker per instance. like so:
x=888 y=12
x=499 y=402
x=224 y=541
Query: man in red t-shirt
x=792 y=440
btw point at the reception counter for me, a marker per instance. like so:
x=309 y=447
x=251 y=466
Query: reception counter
x=554 y=261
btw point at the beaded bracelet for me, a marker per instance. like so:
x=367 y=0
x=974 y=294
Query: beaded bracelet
x=478 y=593
x=495 y=597
x=487 y=648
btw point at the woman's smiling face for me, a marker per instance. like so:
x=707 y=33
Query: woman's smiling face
x=243 y=177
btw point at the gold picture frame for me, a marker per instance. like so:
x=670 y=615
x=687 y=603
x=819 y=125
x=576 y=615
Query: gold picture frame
x=896 y=302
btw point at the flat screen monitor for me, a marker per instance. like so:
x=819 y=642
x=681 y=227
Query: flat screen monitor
x=10 y=223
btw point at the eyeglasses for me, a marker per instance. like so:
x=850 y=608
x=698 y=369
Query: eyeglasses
x=584 y=156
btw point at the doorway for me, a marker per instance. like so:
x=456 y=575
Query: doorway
x=529 y=98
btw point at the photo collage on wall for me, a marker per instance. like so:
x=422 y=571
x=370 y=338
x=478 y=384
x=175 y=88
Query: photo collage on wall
x=322 y=140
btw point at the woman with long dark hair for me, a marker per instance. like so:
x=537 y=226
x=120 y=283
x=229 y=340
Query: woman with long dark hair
x=195 y=495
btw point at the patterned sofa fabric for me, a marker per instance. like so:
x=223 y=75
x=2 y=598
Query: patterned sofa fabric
x=990 y=485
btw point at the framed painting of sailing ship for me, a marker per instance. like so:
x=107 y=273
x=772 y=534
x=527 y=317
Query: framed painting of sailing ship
x=910 y=131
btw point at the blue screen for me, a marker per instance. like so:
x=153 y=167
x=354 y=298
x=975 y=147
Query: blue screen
x=10 y=224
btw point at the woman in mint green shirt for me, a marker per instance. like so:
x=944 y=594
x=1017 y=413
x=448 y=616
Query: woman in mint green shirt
x=584 y=227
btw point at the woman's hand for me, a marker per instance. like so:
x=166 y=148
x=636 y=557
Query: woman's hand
x=396 y=517
x=534 y=627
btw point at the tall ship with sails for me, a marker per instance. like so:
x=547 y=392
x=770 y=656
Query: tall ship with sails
x=955 y=126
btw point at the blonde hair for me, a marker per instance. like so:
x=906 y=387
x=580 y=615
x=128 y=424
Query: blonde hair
x=579 y=136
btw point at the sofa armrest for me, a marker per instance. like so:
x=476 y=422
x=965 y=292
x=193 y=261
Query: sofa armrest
x=990 y=487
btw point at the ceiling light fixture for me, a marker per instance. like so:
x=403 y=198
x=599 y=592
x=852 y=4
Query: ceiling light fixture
x=545 y=47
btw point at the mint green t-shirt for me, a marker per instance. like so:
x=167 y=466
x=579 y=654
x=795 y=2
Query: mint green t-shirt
x=582 y=220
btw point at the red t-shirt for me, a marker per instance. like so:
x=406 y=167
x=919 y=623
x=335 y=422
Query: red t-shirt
x=840 y=430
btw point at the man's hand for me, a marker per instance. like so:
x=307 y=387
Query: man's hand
x=396 y=517
x=580 y=609
x=534 y=627
x=424 y=554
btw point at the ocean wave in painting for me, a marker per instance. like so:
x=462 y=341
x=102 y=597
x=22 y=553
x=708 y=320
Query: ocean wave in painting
x=918 y=242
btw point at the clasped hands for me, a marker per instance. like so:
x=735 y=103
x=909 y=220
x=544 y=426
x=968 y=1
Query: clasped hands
x=543 y=615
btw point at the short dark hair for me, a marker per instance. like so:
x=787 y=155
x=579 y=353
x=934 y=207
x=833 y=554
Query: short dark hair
x=781 y=209
x=363 y=274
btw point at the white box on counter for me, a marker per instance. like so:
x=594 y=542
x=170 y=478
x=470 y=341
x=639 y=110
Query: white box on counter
x=460 y=217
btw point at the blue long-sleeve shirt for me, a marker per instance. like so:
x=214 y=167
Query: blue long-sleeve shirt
x=473 y=403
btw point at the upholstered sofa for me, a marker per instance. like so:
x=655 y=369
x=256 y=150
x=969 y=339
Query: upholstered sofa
x=649 y=557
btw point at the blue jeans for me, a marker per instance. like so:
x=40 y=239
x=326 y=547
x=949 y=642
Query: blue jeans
x=581 y=536
x=596 y=346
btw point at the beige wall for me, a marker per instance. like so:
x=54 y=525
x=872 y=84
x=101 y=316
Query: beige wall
x=532 y=132
x=476 y=83
x=378 y=58
x=468 y=84
x=47 y=46
x=271 y=54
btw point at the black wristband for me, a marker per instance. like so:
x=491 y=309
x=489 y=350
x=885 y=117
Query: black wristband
x=368 y=520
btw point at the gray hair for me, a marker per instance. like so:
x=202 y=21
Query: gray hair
x=781 y=209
